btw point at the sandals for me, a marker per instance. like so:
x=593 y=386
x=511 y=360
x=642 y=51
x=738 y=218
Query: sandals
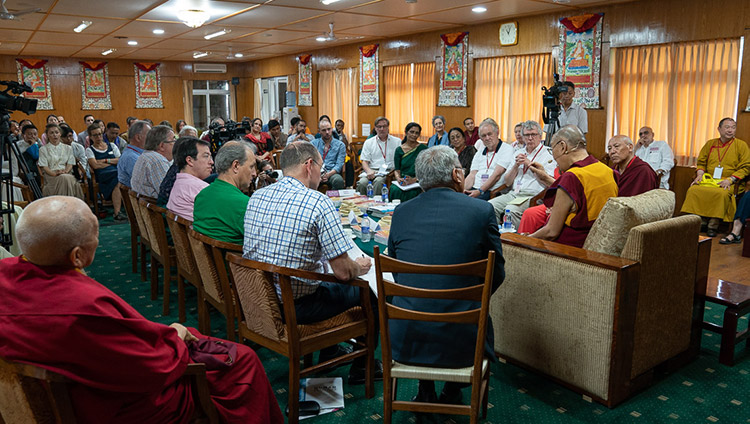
x=735 y=239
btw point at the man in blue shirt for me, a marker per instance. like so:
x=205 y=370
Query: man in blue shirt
x=333 y=153
x=137 y=136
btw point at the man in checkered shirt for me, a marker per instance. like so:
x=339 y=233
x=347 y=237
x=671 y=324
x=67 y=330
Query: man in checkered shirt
x=291 y=224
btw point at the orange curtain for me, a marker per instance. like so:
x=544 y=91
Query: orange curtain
x=681 y=90
x=338 y=96
x=508 y=89
x=409 y=96
x=424 y=98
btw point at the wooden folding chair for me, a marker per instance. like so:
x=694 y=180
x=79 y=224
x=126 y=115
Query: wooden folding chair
x=477 y=375
x=145 y=238
x=260 y=316
x=134 y=233
x=161 y=252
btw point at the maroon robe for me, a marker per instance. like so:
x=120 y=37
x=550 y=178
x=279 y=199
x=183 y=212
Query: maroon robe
x=127 y=369
x=472 y=137
x=638 y=177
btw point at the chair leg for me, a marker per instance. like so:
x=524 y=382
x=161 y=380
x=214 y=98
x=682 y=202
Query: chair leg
x=388 y=392
x=154 y=278
x=167 y=289
x=181 y=297
x=486 y=396
x=206 y=319
x=134 y=250
x=143 y=262
x=202 y=312
x=293 y=402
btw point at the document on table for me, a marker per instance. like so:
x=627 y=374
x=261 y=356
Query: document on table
x=408 y=187
x=355 y=253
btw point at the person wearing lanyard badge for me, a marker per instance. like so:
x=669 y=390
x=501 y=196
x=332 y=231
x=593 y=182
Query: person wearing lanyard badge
x=727 y=160
x=377 y=157
x=488 y=167
x=636 y=176
x=333 y=153
x=526 y=181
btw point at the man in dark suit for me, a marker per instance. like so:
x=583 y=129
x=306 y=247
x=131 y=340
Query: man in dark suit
x=440 y=227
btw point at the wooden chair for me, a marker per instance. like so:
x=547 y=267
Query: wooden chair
x=392 y=370
x=260 y=315
x=212 y=268
x=145 y=239
x=90 y=189
x=275 y=156
x=186 y=268
x=134 y=233
x=35 y=395
x=356 y=149
x=536 y=200
x=161 y=252
x=28 y=196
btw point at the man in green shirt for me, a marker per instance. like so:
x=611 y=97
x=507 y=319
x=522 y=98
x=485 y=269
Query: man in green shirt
x=219 y=210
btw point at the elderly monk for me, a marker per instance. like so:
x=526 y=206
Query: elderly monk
x=125 y=368
x=576 y=198
x=727 y=160
x=636 y=176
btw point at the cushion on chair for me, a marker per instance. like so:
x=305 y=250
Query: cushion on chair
x=415 y=372
x=620 y=214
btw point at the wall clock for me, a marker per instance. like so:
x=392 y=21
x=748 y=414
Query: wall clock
x=509 y=34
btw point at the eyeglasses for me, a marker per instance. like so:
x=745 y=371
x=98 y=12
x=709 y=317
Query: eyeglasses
x=316 y=162
x=531 y=135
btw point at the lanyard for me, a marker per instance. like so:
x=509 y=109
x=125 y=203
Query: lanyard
x=718 y=150
x=325 y=152
x=381 y=149
x=490 y=161
x=539 y=149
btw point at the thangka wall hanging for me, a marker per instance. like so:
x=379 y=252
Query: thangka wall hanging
x=453 y=69
x=95 y=86
x=305 y=80
x=581 y=56
x=147 y=86
x=35 y=73
x=369 y=77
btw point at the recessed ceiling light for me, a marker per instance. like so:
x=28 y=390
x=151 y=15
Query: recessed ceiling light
x=321 y=38
x=479 y=9
x=82 y=26
x=198 y=55
x=158 y=31
x=108 y=51
x=132 y=43
x=217 y=34
x=238 y=55
x=327 y=2
x=193 y=17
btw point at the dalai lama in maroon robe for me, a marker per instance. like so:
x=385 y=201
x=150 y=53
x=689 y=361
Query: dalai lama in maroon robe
x=126 y=369
x=636 y=176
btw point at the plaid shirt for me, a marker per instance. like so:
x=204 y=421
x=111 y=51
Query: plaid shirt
x=290 y=225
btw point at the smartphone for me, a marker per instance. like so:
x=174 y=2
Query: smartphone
x=306 y=408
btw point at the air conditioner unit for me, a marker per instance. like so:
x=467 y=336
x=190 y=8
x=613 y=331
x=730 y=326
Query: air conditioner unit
x=210 y=68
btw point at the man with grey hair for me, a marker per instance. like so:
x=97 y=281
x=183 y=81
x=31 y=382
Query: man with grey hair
x=525 y=181
x=468 y=225
x=489 y=164
x=219 y=210
x=377 y=157
x=291 y=224
x=188 y=131
x=151 y=167
x=137 y=141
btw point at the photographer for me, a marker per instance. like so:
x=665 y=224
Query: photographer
x=266 y=176
x=572 y=113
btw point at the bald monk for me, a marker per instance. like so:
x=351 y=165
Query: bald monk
x=126 y=369
x=636 y=176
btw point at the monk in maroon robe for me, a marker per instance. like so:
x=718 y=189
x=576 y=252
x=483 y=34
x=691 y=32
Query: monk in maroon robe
x=126 y=369
x=636 y=176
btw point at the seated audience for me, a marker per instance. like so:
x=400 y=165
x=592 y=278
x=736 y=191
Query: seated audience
x=56 y=162
x=740 y=217
x=178 y=126
x=219 y=210
x=488 y=167
x=729 y=165
x=525 y=181
x=103 y=158
x=338 y=132
x=333 y=153
x=217 y=124
x=377 y=157
x=348 y=164
x=83 y=136
x=68 y=138
x=576 y=198
x=151 y=167
x=327 y=119
x=265 y=177
x=299 y=128
x=193 y=157
x=440 y=138
x=293 y=225
x=535 y=217
x=520 y=142
x=278 y=137
x=471 y=135
x=29 y=148
x=129 y=122
x=657 y=154
x=420 y=238
x=137 y=136
x=166 y=123
x=404 y=159
x=187 y=131
x=124 y=368
x=51 y=119
x=636 y=176
x=112 y=135
x=262 y=141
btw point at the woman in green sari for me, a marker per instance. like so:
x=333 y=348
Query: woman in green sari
x=404 y=159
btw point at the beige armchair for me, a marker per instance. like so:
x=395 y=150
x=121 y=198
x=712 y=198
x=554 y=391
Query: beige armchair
x=601 y=320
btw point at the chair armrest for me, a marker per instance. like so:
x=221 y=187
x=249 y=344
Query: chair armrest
x=568 y=252
x=496 y=192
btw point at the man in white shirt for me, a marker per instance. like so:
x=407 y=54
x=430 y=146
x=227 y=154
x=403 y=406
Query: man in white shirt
x=377 y=157
x=489 y=164
x=657 y=154
x=524 y=180
x=572 y=113
x=299 y=132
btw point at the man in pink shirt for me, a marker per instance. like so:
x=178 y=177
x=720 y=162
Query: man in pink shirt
x=193 y=157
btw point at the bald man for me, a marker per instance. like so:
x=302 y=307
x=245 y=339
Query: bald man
x=636 y=176
x=126 y=369
x=657 y=154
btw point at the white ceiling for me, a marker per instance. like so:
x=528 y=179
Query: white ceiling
x=259 y=28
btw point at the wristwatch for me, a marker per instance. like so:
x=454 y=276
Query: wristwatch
x=734 y=179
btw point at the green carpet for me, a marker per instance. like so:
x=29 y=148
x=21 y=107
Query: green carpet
x=702 y=392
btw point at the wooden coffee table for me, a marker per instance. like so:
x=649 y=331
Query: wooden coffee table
x=736 y=297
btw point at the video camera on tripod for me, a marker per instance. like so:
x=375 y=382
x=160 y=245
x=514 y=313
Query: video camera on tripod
x=551 y=105
x=231 y=130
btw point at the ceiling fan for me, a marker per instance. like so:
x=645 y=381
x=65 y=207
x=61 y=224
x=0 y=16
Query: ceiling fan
x=8 y=16
x=330 y=36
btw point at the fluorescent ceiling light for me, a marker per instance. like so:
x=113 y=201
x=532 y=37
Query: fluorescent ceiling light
x=479 y=9
x=108 y=51
x=193 y=17
x=321 y=38
x=158 y=31
x=217 y=34
x=198 y=55
x=132 y=43
x=238 y=55
x=82 y=26
x=327 y=2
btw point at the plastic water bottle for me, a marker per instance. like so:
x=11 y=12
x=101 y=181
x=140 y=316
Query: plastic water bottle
x=370 y=190
x=384 y=193
x=365 y=227
x=507 y=223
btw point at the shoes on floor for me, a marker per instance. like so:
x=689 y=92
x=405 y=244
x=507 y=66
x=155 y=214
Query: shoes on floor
x=711 y=232
x=357 y=374
x=453 y=398
x=426 y=417
x=731 y=238
x=121 y=216
x=334 y=352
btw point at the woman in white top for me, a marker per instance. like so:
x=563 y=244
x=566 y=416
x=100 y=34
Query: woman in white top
x=56 y=161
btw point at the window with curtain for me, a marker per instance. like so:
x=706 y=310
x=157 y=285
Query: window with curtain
x=410 y=96
x=338 y=96
x=680 y=90
x=508 y=89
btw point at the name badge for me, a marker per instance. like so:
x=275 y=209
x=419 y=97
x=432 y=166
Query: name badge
x=654 y=149
x=717 y=172
x=484 y=178
x=517 y=186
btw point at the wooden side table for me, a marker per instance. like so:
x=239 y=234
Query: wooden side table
x=736 y=297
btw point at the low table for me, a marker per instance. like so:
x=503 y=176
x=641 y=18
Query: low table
x=736 y=297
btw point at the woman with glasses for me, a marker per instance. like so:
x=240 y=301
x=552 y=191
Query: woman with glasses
x=103 y=157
